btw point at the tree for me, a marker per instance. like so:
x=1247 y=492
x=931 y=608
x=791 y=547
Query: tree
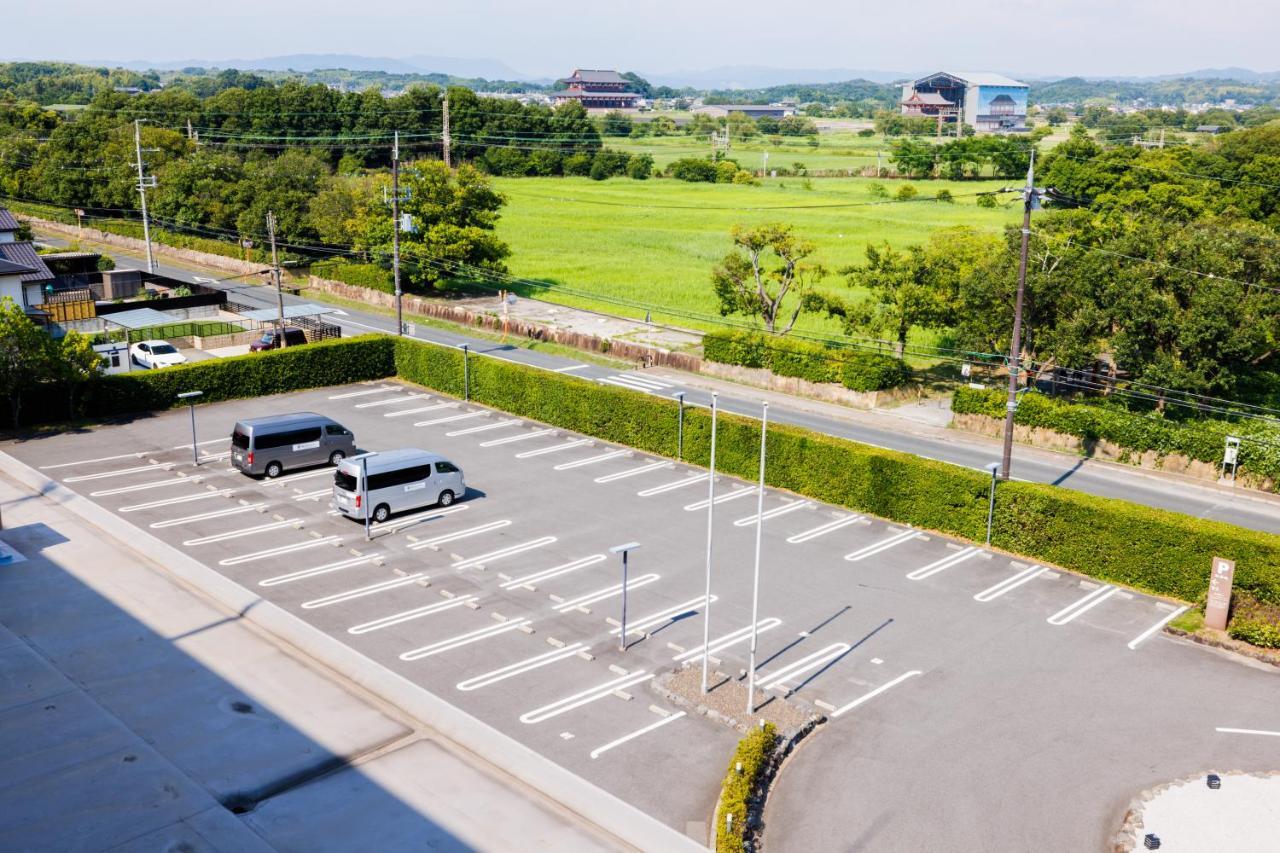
x=747 y=282
x=74 y=361
x=615 y=123
x=26 y=356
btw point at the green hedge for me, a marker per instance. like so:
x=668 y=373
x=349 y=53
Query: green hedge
x=735 y=794
x=357 y=275
x=859 y=371
x=1201 y=439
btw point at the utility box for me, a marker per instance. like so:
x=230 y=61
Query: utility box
x=121 y=284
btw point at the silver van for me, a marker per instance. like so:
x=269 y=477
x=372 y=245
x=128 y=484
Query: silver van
x=270 y=445
x=399 y=480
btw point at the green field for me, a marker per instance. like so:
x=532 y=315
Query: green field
x=835 y=150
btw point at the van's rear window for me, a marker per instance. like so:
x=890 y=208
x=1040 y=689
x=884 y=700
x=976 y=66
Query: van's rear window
x=344 y=481
x=240 y=440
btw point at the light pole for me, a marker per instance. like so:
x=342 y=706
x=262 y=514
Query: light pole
x=680 y=426
x=466 y=373
x=711 y=513
x=1030 y=202
x=190 y=397
x=364 y=488
x=994 y=468
x=623 y=550
x=755 y=583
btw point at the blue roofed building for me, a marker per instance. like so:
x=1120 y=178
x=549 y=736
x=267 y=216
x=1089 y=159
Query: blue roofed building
x=986 y=101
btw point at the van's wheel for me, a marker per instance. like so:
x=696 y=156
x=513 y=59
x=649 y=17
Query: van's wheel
x=336 y=457
x=274 y=469
x=446 y=497
x=381 y=513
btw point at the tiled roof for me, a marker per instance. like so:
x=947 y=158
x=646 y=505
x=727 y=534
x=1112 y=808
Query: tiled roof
x=10 y=268
x=590 y=75
x=24 y=254
x=579 y=93
x=7 y=222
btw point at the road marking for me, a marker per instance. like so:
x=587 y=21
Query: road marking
x=555 y=448
x=631 y=472
x=150 y=484
x=601 y=750
x=772 y=513
x=547 y=574
x=520 y=667
x=883 y=545
x=676 y=484
x=741 y=635
x=874 y=693
x=399 y=398
x=118 y=472
x=451 y=418
x=199 y=443
x=643 y=381
x=624 y=382
x=591 y=694
x=1248 y=732
x=137 y=455
x=463 y=639
x=281 y=549
x=416 y=613
x=417 y=409
x=1008 y=584
x=313 y=496
x=317 y=570
x=494 y=442
x=728 y=496
x=247 y=531
x=199 y=496
x=362 y=591
x=461 y=534
x=1085 y=604
x=293 y=478
x=644 y=623
x=945 y=563
x=410 y=520
x=365 y=393
x=591 y=460
x=484 y=428
x=570 y=367
x=800 y=667
x=1133 y=644
x=605 y=592
x=823 y=529
x=203 y=516
x=509 y=551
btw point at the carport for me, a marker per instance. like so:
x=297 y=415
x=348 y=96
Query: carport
x=305 y=315
x=134 y=320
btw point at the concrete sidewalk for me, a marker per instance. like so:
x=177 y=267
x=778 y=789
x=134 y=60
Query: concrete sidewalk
x=137 y=715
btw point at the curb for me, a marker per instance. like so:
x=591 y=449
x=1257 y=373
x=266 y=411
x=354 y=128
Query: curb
x=593 y=804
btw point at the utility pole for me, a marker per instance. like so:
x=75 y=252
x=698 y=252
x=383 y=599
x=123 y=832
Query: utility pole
x=1030 y=199
x=144 y=183
x=275 y=268
x=395 y=231
x=445 y=140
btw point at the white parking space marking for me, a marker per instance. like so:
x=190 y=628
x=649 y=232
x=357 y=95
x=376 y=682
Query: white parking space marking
x=1133 y=644
x=1083 y=605
x=494 y=442
x=247 y=531
x=883 y=545
x=151 y=484
x=137 y=455
x=601 y=750
x=419 y=409
x=314 y=496
x=510 y=551
x=408 y=615
x=644 y=623
x=587 y=696
x=199 y=443
x=484 y=428
x=464 y=639
x=460 y=534
x=204 y=516
x=605 y=592
x=805 y=664
x=675 y=484
x=570 y=368
x=303 y=574
x=555 y=448
x=391 y=401
x=466 y=416
x=1008 y=584
x=364 y=393
x=119 y=472
x=293 y=478
x=874 y=693
x=823 y=529
x=279 y=550
x=520 y=667
x=591 y=460
x=750 y=520
x=741 y=635
x=554 y=572
x=361 y=592
x=631 y=472
x=945 y=563
x=199 y=496
x=417 y=518
x=1263 y=732
x=742 y=492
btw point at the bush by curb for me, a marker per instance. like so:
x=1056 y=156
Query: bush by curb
x=740 y=788
x=857 y=371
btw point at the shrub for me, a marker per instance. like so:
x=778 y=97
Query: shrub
x=508 y=162
x=371 y=276
x=693 y=169
x=906 y=192
x=867 y=132
x=812 y=362
x=739 y=789
x=725 y=171
x=986 y=200
x=745 y=349
x=944 y=195
x=742 y=176
x=874 y=372
x=578 y=165
x=545 y=162
x=1255 y=632
x=640 y=167
x=106 y=263
x=607 y=164
x=878 y=190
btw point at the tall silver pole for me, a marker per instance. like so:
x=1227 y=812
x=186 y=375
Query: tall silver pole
x=364 y=487
x=711 y=513
x=395 y=232
x=195 y=454
x=142 y=194
x=755 y=583
x=680 y=427
x=622 y=640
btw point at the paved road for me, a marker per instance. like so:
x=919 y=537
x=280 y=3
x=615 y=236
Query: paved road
x=1245 y=510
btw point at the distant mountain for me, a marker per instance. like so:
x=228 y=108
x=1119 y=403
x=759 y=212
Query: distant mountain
x=490 y=69
x=1244 y=75
x=762 y=77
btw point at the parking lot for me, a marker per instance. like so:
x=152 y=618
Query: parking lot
x=936 y=661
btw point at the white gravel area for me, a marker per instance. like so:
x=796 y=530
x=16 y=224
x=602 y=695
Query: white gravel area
x=1242 y=816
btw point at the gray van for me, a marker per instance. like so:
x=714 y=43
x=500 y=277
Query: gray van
x=270 y=445
x=399 y=480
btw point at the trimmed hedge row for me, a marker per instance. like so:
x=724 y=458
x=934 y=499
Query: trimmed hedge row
x=753 y=753
x=371 y=276
x=858 y=371
x=1200 y=439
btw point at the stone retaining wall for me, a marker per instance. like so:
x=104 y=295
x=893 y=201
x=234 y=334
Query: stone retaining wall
x=827 y=391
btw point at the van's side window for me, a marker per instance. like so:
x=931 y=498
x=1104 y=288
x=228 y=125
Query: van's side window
x=286 y=438
x=334 y=429
x=399 y=477
x=446 y=468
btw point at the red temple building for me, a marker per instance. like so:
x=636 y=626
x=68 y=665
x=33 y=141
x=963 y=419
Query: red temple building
x=596 y=90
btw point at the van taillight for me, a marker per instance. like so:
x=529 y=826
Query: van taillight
x=357 y=501
x=250 y=457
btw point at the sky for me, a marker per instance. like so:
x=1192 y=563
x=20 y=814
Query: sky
x=1027 y=37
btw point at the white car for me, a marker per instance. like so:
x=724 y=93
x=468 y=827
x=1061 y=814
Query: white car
x=152 y=354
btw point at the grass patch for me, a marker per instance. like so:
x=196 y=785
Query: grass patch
x=1190 y=621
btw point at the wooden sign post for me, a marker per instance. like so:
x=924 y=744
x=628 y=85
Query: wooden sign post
x=1219 y=603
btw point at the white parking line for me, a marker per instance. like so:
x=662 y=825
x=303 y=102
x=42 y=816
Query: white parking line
x=676 y=484
x=460 y=534
x=484 y=428
x=742 y=492
x=509 y=551
x=883 y=545
x=591 y=460
x=520 y=667
x=874 y=693
x=1083 y=605
x=203 y=516
x=631 y=472
x=418 y=409
x=555 y=448
x=605 y=592
x=1008 y=584
x=451 y=418
x=361 y=592
x=741 y=635
x=800 y=667
x=277 y=551
x=1133 y=644
x=823 y=529
x=464 y=639
x=118 y=472
x=494 y=442
x=1263 y=732
x=150 y=484
x=410 y=520
x=749 y=520
x=577 y=700
x=199 y=496
x=302 y=574
x=314 y=496
x=199 y=443
x=945 y=563
x=601 y=750
x=554 y=572
x=365 y=393
x=644 y=623
x=137 y=455
x=247 y=531
x=293 y=478
x=571 y=367
x=416 y=613
x=399 y=398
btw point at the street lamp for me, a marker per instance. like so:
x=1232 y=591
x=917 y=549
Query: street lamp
x=623 y=550
x=190 y=397
x=994 y=468
x=680 y=426
x=755 y=583
x=711 y=516
x=466 y=372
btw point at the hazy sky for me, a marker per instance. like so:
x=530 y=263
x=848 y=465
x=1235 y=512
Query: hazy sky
x=1029 y=37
